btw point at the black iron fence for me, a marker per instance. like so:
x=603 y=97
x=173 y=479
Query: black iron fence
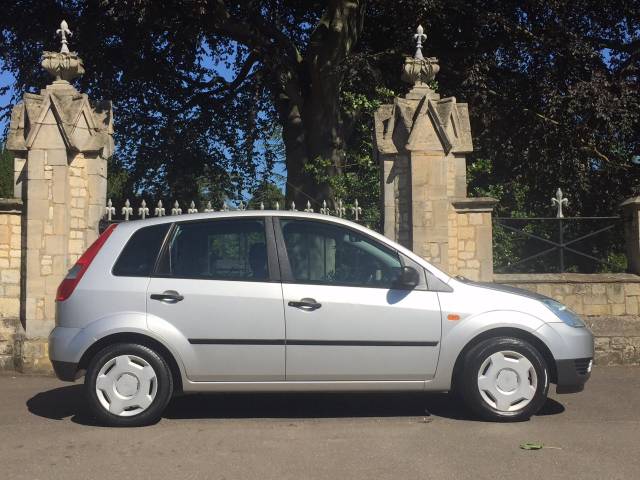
x=559 y=244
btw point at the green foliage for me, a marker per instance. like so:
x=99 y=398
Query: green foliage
x=268 y=194
x=6 y=174
x=200 y=87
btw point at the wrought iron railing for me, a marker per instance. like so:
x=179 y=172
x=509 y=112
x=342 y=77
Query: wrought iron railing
x=350 y=211
x=558 y=244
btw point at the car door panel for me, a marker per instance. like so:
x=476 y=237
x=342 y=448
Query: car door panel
x=235 y=329
x=363 y=328
x=362 y=334
x=218 y=284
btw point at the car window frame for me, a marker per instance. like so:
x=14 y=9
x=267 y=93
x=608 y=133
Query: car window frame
x=273 y=268
x=287 y=272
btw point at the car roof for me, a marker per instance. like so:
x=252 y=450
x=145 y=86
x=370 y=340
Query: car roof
x=235 y=214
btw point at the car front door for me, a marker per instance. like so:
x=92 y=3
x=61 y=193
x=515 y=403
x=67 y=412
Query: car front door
x=218 y=284
x=346 y=319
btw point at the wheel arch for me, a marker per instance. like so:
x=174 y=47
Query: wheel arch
x=141 y=339
x=506 y=332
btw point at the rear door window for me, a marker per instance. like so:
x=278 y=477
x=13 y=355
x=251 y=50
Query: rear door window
x=139 y=254
x=233 y=249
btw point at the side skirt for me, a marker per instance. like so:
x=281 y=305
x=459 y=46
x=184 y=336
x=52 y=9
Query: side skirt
x=322 y=386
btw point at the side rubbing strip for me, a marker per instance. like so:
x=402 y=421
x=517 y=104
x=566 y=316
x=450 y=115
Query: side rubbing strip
x=362 y=343
x=339 y=343
x=233 y=341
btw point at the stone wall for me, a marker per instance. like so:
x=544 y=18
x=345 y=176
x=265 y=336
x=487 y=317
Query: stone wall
x=470 y=249
x=10 y=257
x=609 y=304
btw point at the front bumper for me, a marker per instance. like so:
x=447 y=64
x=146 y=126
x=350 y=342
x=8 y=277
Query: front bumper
x=572 y=374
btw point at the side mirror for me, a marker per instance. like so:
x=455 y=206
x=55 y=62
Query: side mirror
x=409 y=277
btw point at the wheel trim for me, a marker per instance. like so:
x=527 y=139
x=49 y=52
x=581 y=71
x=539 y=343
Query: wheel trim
x=126 y=385
x=507 y=381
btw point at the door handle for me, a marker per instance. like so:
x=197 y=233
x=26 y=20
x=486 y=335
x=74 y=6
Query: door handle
x=170 y=296
x=308 y=304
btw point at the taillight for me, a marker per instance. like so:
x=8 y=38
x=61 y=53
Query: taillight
x=70 y=282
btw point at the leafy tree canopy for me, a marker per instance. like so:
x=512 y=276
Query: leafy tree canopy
x=210 y=94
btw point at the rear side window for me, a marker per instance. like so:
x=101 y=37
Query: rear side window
x=140 y=253
x=218 y=250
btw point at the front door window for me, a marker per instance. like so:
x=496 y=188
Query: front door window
x=327 y=254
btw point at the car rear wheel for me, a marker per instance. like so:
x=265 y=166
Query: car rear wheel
x=504 y=379
x=128 y=385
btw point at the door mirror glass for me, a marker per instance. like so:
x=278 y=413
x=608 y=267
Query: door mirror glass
x=409 y=278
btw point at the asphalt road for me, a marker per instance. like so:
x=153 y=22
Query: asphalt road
x=44 y=434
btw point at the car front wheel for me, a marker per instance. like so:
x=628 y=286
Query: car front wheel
x=128 y=385
x=504 y=379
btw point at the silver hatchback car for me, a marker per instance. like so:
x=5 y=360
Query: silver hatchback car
x=287 y=301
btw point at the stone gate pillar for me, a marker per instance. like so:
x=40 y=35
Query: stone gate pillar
x=421 y=142
x=61 y=142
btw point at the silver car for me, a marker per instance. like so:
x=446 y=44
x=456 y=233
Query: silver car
x=288 y=301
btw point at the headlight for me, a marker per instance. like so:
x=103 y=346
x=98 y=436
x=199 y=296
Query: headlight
x=563 y=313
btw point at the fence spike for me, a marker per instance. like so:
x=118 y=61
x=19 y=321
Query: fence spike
x=559 y=200
x=340 y=210
x=143 y=211
x=277 y=205
x=208 y=208
x=192 y=207
x=356 y=210
x=261 y=205
x=176 y=210
x=110 y=210
x=127 y=210
x=225 y=207
x=308 y=209
x=241 y=206
x=159 y=210
x=293 y=207
x=324 y=210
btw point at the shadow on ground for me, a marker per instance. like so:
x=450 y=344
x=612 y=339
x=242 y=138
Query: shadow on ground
x=68 y=402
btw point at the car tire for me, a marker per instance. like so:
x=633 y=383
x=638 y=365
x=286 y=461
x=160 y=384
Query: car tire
x=128 y=385
x=504 y=379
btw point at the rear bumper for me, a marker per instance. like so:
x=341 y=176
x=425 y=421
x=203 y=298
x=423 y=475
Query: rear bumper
x=63 y=357
x=572 y=374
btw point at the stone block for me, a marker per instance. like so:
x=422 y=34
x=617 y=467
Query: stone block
x=9 y=307
x=54 y=244
x=632 y=289
x=466 y=233
x=76 y=246
x=38 y=209
x=35 y=165
x=5 y=234
x=631 y=305
x=38 y=189
x=600 y=309
x=59 y=185
x=10 y=276
x=57 y=157
x=596 y=299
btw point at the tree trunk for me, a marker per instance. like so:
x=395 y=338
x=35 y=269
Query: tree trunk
x=309 y=106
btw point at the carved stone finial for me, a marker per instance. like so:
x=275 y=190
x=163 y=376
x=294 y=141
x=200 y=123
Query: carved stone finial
x=420 y=71
x=64 y=66
x=62 y=32
x=419 y=37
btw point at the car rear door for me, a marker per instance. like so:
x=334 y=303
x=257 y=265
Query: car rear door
x=218 y=285
x=345 y=320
